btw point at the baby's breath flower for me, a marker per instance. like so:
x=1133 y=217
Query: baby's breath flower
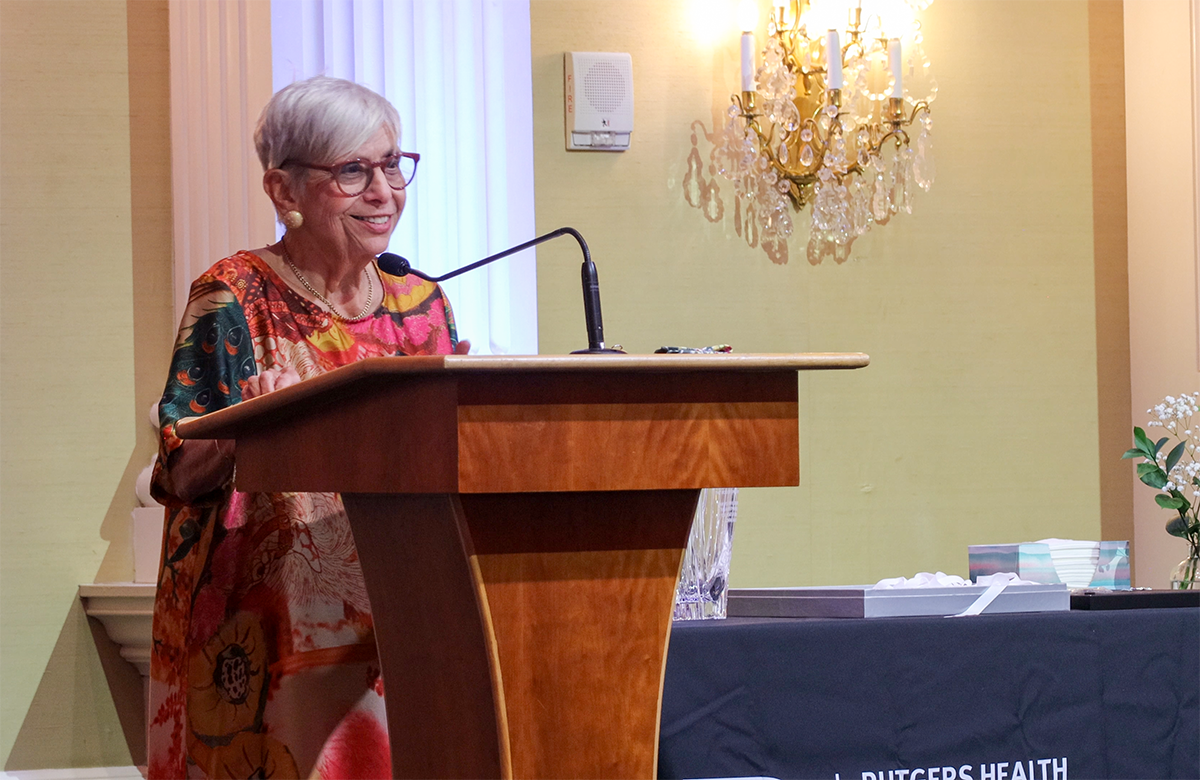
x=1175 y=415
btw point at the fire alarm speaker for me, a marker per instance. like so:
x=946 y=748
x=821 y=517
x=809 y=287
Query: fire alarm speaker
x=599 y=100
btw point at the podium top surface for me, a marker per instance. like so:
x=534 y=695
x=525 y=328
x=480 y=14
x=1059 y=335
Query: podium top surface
x=222 y=423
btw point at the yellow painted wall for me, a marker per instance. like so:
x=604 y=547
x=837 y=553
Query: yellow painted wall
x=1161 y=117
x=84 y=263
x=976 y=421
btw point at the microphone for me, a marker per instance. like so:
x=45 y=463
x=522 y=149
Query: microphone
x=398 y=266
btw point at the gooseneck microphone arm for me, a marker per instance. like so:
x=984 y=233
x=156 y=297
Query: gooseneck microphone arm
x=398 y=266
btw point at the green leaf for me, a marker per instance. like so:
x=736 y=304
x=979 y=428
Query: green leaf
x=1175 y=455
x=1176 y=526
x=1135 y=453
x=1169 y=502
x=1158 y=445
x=1142 y=442
x=1152 y=475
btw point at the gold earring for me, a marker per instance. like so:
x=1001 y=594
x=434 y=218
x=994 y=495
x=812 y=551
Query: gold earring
x=293 y=219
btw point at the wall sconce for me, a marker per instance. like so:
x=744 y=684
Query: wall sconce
x=835 y=118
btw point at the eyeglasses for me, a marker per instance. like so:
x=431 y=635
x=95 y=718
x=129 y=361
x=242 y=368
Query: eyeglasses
x=353 y=177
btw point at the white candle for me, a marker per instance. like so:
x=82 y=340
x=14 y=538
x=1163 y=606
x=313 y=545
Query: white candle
x=748 y=20
x=895 y=61
x=747 y=62
x=833 y=51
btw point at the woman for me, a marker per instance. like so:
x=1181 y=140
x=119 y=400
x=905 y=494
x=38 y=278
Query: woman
x=264 y=659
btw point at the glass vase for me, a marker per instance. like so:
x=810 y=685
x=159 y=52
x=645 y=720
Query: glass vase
x=702 y=591
x=1184 y=575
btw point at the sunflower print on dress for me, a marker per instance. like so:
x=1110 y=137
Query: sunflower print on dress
x=227 y=678
x=250 y=756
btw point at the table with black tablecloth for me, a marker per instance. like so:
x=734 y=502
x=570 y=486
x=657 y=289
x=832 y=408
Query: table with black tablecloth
x=1075 y=695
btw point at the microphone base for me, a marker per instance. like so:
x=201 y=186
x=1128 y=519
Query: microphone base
x=599 y=352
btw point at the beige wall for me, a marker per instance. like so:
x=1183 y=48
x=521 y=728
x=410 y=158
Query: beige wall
x=1161 y=118
x=977 y=419
x=85 y=302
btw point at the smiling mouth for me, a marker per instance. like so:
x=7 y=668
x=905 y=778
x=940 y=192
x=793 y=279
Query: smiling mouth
x=373 y=220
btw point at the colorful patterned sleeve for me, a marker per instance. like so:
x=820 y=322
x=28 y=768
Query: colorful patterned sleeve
x=213 y=356
x=450 y=326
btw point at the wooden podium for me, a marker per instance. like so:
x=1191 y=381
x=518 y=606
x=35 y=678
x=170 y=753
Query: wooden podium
x=521 y=523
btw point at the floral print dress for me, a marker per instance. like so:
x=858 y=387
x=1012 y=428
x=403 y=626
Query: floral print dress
x=264 y=661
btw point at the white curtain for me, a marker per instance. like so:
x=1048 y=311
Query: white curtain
x=459 y=72
x=220 y=80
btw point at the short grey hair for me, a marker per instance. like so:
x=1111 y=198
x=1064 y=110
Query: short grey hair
x=321 y=120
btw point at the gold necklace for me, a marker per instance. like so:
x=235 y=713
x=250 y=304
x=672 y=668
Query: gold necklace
x=366 y=309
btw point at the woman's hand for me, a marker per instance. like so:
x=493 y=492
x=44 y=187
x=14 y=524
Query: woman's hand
x=462 y=348
x=269 y=381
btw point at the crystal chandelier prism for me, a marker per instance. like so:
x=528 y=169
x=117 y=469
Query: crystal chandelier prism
x=834 y=118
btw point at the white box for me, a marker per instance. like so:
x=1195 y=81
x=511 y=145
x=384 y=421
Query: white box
x=148 y=524
x=856 y=601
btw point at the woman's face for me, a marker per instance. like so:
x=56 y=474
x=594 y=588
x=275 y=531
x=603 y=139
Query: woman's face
x=359 y=226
